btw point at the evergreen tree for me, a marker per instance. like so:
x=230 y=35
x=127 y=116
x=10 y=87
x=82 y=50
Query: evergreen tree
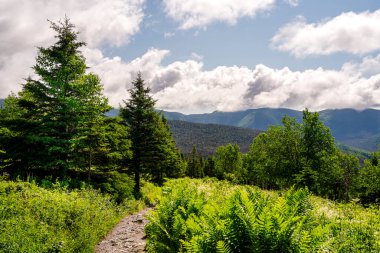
x=153 y=148
x=195 y=164
x=57 y=109
x=209 y=167
x=8 y=139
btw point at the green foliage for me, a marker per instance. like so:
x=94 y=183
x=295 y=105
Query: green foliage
x=346 y=227
x=118 y=185
x=195 y=164
x=302 y=154
x=151 y=193
x=193 y=216
x=154 y=150
x=318 y=153
x=34 y=219
x=275 y=156
x=228 y=163
x=54 y=127
x=207 y=137
x=348 y=183
x=369 y=179
x=103 y=148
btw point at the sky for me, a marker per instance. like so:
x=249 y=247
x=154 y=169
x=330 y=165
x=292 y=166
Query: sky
x=200 y=56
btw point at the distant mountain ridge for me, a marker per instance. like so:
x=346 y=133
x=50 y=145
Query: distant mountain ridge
x=360 y=129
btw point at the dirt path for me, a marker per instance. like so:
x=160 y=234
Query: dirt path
x=127 y=236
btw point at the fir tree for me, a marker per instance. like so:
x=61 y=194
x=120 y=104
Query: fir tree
x=195 y=164
x=58 y=109
x=153 y=147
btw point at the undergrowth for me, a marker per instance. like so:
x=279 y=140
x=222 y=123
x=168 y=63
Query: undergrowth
x=215 y=216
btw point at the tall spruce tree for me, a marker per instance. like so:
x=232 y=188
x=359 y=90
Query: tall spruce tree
x=58 y=108
x=153 y=148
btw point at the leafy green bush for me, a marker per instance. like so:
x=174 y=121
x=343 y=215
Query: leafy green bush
x=151 y=194
x=34 y=219
x=119 y=186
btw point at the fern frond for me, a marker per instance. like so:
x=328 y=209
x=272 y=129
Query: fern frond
x=222 y=247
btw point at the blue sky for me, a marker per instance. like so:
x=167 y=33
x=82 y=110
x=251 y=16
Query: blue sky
x=247 y=43
x=204 y=55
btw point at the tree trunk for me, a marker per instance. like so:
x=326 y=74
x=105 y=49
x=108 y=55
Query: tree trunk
x=136 y=167
x=137 y=192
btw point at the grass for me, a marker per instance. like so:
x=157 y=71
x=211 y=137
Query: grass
x=34 y=219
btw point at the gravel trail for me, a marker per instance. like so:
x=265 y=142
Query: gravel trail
x=127 y=236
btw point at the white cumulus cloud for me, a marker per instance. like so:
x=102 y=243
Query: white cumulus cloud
x=186 y=87
x=370 y=65
x=117 y=75
x=200 y=13
x=356 y=33
x=24 y=26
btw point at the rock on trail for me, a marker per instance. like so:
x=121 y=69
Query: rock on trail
x=127 y=236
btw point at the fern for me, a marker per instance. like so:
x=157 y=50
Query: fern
x=222 y=247
x=194 y=217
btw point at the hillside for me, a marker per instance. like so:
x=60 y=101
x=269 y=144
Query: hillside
x=207 y=137
x=360 y=129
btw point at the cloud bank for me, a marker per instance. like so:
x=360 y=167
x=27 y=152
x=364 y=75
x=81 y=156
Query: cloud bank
x=186 y=87
x=355 y=33
x=23 y=26
x=200 y=13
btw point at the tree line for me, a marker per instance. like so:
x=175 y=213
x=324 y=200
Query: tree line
x=296 y=154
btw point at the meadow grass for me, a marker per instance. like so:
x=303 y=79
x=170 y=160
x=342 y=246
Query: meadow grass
x=35 y=219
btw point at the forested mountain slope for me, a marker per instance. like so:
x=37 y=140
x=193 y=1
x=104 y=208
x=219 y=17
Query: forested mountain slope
x=207 y=137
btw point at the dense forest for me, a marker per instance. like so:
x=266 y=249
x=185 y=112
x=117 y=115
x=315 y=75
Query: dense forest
x=65 y=165
x=207 y=137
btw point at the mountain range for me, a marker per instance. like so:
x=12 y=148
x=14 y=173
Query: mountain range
x=360 y=129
